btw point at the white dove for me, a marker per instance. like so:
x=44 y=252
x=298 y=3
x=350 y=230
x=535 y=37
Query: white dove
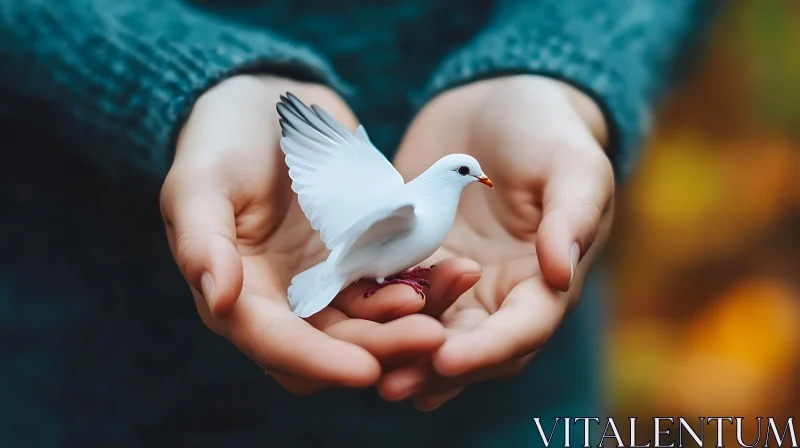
x=374 y=223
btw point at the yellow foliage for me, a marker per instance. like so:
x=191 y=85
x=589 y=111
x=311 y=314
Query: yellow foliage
x=737 y=354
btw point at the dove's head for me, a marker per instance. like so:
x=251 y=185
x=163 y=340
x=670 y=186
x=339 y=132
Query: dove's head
x=460 y=169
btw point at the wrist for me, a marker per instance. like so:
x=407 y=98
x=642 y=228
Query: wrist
x=219 y=105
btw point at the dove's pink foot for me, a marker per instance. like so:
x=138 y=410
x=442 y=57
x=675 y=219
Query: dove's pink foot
x=411 y=278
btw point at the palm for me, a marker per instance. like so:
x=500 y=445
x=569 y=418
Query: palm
x=274 y=238
x=489 y=222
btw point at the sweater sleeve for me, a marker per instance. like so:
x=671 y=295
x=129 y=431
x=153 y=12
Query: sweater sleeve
x=620 y=52
x=114 y=79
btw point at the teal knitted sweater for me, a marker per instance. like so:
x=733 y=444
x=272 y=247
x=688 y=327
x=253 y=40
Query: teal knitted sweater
x=120 y=76
x=92 y=94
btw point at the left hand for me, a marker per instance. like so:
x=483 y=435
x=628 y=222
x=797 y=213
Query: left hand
x=535 y=235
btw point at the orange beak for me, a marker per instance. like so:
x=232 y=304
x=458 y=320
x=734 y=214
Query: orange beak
x=485 y=180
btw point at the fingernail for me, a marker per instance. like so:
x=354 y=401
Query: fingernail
x=574 y=255
x=207 y=286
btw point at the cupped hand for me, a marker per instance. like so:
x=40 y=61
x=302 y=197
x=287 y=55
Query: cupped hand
x=238 y=236
x=535 y=235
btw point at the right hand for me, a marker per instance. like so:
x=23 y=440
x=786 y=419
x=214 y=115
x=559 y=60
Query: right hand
x=239 y=236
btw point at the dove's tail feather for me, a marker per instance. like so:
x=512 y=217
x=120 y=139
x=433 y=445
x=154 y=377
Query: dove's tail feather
x=314 y=289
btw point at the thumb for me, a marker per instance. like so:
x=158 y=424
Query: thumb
x=202 y=232
x=575 y=198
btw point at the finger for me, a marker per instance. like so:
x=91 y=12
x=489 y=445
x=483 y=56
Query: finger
x=450 y=279
x=394 y=342
x=436 y=384
x=298 y=386
x=403 y=382
x=268 y=332
x=422 y=381
x=202 y=232
x=386 y=304
x=576 y=196
x=526 y=320
x=416 y=336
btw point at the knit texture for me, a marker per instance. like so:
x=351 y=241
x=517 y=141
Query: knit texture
x=117 y=78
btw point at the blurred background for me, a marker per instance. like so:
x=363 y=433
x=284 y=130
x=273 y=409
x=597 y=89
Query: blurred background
x=705 y=257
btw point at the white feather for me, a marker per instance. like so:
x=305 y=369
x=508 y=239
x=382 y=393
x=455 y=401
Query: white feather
x=330 y=167
x=313 y=289
x=367 y=236
x=316 y=287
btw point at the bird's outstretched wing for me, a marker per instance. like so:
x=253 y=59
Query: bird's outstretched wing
x=336 y=174
x=375 y=229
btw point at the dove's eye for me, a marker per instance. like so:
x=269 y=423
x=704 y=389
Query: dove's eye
x=463 y=170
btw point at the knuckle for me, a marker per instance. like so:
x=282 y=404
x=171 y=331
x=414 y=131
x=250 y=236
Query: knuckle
x=184 y=248
x=223 y=230
x=593 y=215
